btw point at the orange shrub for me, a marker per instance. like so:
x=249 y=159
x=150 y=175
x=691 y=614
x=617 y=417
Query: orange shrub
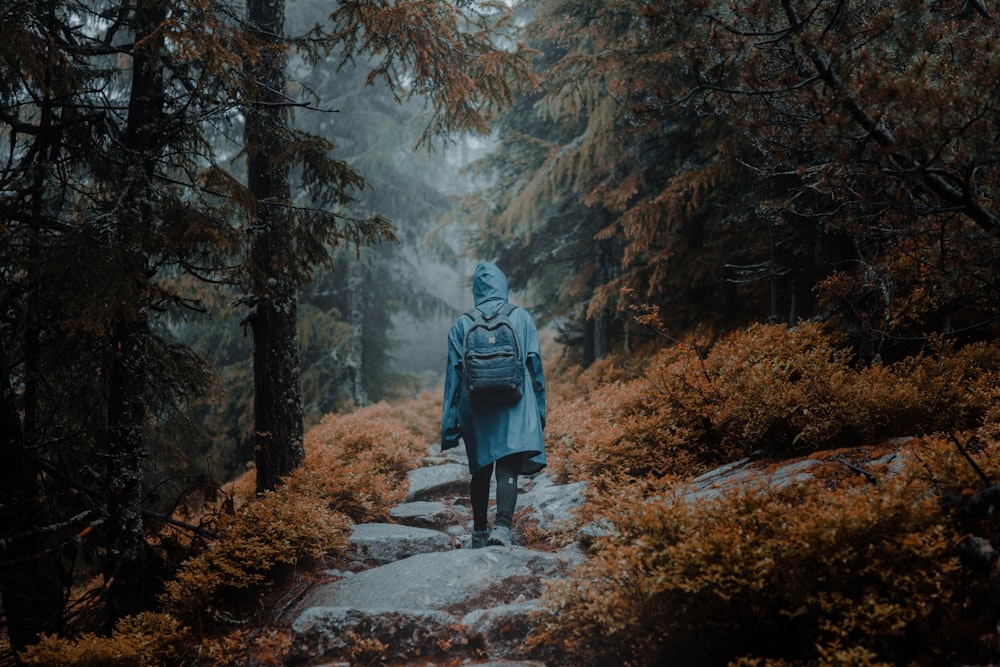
x=355 y=470
x=798 y=574
x=779 y=388
x=566 y=381
x=141 y=641
x=861 y=575
x=767 y=387
x=358 y=461
x=246 y=648
x=793 y=390
x=420 y=415
x=626 y=429
x=278 y=528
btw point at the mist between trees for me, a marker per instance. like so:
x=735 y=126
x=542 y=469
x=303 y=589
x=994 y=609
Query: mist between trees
x=224 y=220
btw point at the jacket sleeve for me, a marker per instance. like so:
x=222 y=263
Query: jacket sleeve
x=538 y=384
x=533 y=359
x=451 y=429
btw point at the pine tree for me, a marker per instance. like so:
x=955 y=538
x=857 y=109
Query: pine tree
x=278 y=424
x=431 y=49
x=876 y=122
x=107 y=191
x=126 y=568
x=582 y=186
x=738 y=176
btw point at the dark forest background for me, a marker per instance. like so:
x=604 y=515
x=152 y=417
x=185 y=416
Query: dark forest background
x=221 y=221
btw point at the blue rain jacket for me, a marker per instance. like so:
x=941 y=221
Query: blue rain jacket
x=493 y=432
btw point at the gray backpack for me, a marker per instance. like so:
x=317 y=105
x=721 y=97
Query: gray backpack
x=493 y=366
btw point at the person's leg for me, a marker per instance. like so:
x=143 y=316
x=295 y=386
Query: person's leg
x=479 y=493
x=507 y=470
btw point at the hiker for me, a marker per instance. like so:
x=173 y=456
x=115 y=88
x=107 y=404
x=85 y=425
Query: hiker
x=501 y=426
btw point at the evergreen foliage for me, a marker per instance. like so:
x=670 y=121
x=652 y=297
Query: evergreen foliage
x=103 y=198
x=708 y=165
x=123 y=204
x=757 y=160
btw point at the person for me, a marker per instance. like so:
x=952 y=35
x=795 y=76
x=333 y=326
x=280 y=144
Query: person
x=504 y=440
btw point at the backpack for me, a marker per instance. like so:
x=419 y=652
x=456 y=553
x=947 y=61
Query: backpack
x=493 y=367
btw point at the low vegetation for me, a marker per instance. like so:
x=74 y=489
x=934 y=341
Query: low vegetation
x=784 y=391
x=355 y=467
x=862 y=568
x=884 y=560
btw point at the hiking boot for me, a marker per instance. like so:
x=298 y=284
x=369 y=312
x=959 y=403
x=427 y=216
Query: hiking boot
x=500 y=536
x=479 y=538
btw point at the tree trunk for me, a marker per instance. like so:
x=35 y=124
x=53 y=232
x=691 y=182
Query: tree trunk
x=29 y=574
x=805 y=270
x=278 y=426
x=126 y=570
x=356 y=319
x=598 y=329
x=596 y=336
x=278 y=417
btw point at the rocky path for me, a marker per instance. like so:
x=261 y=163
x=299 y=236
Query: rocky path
x=417 y=594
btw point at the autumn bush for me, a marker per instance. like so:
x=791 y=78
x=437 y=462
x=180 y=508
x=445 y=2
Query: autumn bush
x=766 y=388
x=354 y=471
x=136 y=641
x=826 y=573
x=278 y=528
x=358 y=461
x=800 y=574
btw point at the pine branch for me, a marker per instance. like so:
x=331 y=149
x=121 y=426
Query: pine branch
x=170 y=521
x=960 y=195
x=979 y=471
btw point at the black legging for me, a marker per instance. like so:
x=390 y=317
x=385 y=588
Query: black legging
x=507 y=470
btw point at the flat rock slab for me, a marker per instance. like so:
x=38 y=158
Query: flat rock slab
x=430 y=513
x=388 y=542
x=431 y=482
x=746 y=474
x=501 y=629
x=333 y=631
x=551 y=504
x=456 y=581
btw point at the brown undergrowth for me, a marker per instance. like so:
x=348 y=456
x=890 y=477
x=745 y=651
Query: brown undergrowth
x=867 y=565
x=763 y=388
x=861 y=567
x=213 y=611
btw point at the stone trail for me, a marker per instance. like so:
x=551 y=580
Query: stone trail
x=416 y=589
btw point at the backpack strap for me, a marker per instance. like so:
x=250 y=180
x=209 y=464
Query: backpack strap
x=474 y=313
x=506 y=309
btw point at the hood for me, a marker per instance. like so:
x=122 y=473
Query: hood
x=489 y=284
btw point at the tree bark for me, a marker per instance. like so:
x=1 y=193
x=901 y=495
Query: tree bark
x=30 y=572
x=126 y=569
x=278 y=427
x=356 y=318
x=30 y=579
